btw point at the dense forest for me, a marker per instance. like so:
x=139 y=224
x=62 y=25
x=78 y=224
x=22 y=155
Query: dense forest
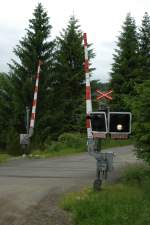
x=130 y=79
x=61 y=95
x=61 y=102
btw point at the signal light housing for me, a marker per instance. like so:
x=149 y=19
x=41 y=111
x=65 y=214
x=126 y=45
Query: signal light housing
x=98 y=122
x=119 y=122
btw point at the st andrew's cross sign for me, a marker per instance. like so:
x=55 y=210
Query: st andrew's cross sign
x=104 y=94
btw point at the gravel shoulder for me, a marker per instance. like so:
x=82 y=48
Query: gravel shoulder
x=31 y=188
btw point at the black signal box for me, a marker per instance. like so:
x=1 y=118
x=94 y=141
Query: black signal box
x=119 y=122
x=98 y=122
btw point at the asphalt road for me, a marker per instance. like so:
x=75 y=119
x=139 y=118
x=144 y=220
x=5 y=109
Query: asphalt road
x=27 y=184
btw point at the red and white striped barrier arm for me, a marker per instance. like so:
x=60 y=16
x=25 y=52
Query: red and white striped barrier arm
x=88 y=89
x=34 y=104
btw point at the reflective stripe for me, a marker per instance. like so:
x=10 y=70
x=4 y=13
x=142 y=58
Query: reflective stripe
x=88 y=93
x=32 y=123
x=34 y=104
x=88 y=88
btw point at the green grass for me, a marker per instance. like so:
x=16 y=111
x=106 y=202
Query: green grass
x=69 y=144
x=109 y=143
x=124 y=203
x=53 y=153
x=4 y=157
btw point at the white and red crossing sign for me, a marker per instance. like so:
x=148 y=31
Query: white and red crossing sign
x=104 y=94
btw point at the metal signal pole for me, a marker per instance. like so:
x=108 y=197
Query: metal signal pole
x=102 y=159
x=27 y=118
x=91 y=144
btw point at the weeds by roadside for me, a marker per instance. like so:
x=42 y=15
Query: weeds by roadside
x=72 y=143
x=124 y=203
x=68 y=144
x=4 y=157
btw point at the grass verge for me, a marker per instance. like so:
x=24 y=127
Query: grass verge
x=64 y=151
x=4 y=157
x=124 y=203
x=72 y=143
x=110 y=143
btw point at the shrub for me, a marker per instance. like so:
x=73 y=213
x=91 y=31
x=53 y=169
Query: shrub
x=66 y=141
x=73 y=140
x=55 y=146
x=13 y=146
x=136 y=174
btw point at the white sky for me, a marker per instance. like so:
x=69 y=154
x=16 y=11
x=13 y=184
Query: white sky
x=100 y=19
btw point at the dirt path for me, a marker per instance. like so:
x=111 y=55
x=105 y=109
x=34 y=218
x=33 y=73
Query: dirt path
x=30 y=188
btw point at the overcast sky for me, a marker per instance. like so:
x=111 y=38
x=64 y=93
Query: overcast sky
x=100 y=19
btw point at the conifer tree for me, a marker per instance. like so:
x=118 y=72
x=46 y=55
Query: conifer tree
x=141 y=110
x=6 y=108
x=140 y=103
x=35 y=46
x=70 y=78
x=144 y=49
x=125 y=66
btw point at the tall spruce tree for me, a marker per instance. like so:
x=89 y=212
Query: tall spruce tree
x=140 y=103
x=69 y=82
x=35 y=46
x=141 y=110
x=6 y=108
x=125 y=66
x=144 y=49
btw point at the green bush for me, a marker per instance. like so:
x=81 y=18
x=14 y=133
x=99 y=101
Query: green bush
x=55 y=146
x=136 y=174
x=72 y=140
x=13 y=146
x=66 y=141
x=48 y=141
x=4 y=157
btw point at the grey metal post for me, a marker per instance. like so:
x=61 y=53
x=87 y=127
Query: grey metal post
x=27 y=121
x=27 y=127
